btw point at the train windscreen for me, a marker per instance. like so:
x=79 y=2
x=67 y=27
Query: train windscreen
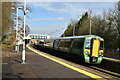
x=88 y=44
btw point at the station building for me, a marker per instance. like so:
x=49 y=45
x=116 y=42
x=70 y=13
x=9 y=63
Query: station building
x=35 y=37
x=38 y=36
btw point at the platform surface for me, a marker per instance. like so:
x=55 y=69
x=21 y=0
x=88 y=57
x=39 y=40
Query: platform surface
x=36 y=67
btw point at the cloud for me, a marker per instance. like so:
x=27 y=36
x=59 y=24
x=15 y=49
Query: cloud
x=73 y=10
x=54 y=29
x=39 y=19
x=60 y=7
x=68 y=11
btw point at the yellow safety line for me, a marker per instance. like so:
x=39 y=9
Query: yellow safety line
x=69 y=66
x=111 y=59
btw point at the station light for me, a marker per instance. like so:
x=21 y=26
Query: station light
x=26 y=11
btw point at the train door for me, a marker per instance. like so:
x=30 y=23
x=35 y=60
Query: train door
x=55 y=44
x=95 y=47
x=94 y=50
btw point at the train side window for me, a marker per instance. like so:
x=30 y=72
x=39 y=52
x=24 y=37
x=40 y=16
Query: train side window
x=81 y=43
x=78 y=44
x=62 y=43
x=65 y=43
x=101 y=45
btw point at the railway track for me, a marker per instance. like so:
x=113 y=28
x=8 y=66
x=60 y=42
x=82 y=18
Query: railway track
x=95 y=69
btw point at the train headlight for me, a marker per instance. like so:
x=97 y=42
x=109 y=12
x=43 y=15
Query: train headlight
x=94 y=59
x=100 y=54
x=86 y=52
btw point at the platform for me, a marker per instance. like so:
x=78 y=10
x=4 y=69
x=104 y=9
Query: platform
x=36 y=67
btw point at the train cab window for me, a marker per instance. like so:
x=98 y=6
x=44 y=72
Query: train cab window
x=88 y=44
x=101 y=45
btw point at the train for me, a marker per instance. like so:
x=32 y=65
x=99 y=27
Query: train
x=89 y=48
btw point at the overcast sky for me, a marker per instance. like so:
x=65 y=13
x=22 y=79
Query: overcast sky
x=48 y=17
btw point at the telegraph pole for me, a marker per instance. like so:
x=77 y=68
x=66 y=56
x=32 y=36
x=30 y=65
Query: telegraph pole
x=90 y=28
x=23 y=52
x=73 y=29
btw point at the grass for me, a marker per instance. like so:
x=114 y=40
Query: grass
x=8 y=50
x=112 y=54
x=7 y=45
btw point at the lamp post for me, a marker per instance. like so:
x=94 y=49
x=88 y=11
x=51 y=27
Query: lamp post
x=23 y=52
x=16 y=47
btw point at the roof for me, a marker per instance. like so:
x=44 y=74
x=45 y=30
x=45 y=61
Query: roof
x=26 y=38
x=84 y=36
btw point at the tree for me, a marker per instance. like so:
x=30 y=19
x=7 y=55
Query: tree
x=117 y=18
x=83 y=25
x=106 y=25
x=8 y=18
x=80 y=27
x=69 y=30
